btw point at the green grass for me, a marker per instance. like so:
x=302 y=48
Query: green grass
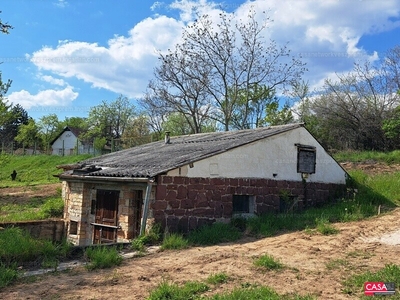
x=17 y=248
x=194 y=290
x=324 y=227
x=267 y=262
x=217 y=278
x=166 y=290
x=360 y=156
x=257 y=293
x=102 y=257
x=33 y=169
x=8 y=274
x=150 y=238
x=214 y=234
x=390 y=273
x=174 y=241
x=36 y=209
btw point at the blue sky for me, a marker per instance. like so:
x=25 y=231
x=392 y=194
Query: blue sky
x=66 y=56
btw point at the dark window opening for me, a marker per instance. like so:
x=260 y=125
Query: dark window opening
x=93 y=207
x=242 y=204
x=306 y=159
x=73 y=227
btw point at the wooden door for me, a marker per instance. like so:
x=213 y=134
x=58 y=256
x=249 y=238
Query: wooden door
x=137 y=212
x=105 y=226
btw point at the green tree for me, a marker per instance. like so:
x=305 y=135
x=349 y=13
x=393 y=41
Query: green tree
x=109 y=120
x=28 y=134
x=75 y=122
x=274 y=116
x=391 y=127
x=137 y=132
x=250 y=106
x=17 y=116
x=49 y=126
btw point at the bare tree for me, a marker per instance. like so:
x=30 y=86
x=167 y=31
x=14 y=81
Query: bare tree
x=211 y=74
x=5 y=27
x=353 y=108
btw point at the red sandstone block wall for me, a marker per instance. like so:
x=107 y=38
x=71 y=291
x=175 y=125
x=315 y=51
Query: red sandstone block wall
x=183 y=204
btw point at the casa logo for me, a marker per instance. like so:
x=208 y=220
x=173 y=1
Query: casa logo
x=379 y=288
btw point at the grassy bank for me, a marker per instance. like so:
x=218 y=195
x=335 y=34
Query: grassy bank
x=33 y=169
x=392 y=157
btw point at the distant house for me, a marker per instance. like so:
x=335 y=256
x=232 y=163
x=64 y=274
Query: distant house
x=189 y=181
x=67 y=142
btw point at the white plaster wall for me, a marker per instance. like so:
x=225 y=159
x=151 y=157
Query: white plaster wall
x=264 y=158
x=69 y=143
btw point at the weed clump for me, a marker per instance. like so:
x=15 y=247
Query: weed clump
x=102 y=257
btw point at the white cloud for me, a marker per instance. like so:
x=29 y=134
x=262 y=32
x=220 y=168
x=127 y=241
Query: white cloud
x=125 y=66
x=52 y=80
x=61 y=3
x=44 y=98
x=156 y=5
x=325 y=32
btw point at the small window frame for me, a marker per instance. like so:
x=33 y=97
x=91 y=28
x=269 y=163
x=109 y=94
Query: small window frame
x=73 y=227
x=243 y=205
x=306 y=159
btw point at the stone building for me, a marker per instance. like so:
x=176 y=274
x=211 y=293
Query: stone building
x=188 y=181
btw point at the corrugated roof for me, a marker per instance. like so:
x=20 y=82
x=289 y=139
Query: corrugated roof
x=157 y=158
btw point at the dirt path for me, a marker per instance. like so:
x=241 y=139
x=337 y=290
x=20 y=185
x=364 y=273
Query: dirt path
x=24 y=194
x=309 y=259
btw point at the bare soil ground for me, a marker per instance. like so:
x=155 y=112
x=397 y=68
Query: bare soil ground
x=315 y=264
x=23 y=194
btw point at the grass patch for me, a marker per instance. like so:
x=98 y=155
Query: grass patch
x=257 y=293
x=214 y=234
x=102 y=257
x=360 y=156
x=268 y=262
x=194 y=290
x=34 y=169
x=36 y=209
x=8 y=274
x=355 y=284
x=18 y=248
x=324 y=227
x=360 y=253
x=167 y=290
x=335 y=264
x=150 y=238
x=174 y=241
x=217 y=278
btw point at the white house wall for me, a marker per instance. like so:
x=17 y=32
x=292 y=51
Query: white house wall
x=67 y=140
x=271 y=158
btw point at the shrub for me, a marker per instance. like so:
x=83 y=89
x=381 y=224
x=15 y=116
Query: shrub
x=102 y=257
